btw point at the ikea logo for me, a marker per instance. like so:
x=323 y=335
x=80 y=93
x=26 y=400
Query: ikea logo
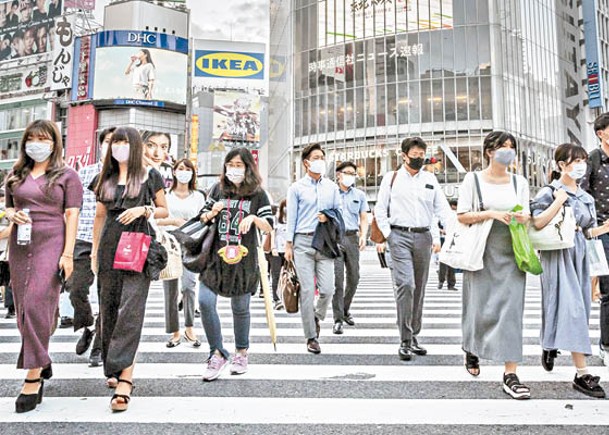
x=229 y=64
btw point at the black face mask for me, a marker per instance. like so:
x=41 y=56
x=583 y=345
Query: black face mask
x=417 y=163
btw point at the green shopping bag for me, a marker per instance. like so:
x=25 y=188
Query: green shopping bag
x=525 y=255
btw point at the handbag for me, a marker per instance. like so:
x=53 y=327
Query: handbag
x=376 y=235
x=132 y=252
x=559 y=233
x=465 y=243
x=289 y=287
x=196 y=249
x=174 y=268
x=597 y=260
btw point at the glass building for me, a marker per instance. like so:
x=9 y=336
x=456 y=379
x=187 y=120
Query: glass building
x=368 y=73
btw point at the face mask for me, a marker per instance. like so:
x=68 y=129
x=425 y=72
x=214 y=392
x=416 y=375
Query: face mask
x=578 y=171
x=348 y=180
x=235 y=175
x=38 y=151
x=505 y=156
x=416 y=163
x=184 y=177
x=120 y=153
x=103 y=151
x=317 y=166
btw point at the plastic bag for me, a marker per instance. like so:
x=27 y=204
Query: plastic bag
x=596 y=258
x=525 y=255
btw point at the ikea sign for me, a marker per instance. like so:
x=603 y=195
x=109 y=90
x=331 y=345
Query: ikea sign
x=229 y=64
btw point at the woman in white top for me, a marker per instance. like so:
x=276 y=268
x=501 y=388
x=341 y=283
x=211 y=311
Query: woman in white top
x=493 y=298
x=278 y=241
x=144 y=73
x=184 y=202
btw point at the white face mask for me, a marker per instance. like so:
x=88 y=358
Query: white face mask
x=235 y=175
x=38 y=151
x=184 y=177
x=348 y=180
x=120 y=153
x=317 y=166
x=578 y=171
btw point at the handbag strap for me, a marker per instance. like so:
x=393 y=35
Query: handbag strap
x=395 y=174
x=479 y=192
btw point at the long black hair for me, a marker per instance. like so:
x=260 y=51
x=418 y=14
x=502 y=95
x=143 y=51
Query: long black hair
x=252 y=181
x=148 y=56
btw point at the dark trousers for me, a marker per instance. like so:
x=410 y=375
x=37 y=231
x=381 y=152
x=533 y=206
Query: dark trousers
x=78 y=287
x=9 y=303
x=447 y=273
x=277 y=263
x=347 y=263
x=604 y=285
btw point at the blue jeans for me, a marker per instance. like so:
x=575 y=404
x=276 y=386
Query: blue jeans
x=211 y=321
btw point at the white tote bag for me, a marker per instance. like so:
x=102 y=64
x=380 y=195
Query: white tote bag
x=559 y=233
x=596 y=258
x=464 y=244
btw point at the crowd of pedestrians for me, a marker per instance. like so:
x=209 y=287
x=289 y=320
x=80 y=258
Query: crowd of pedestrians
x=70 y=231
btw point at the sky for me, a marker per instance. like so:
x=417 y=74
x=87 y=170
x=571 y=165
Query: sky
x=241 y=20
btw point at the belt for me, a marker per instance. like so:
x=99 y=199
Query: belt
x=351 y=232
x=312 y=233
x=410 y=229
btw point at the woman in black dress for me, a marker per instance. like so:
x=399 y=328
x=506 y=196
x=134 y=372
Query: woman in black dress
x=126 y=192
x=237 y=203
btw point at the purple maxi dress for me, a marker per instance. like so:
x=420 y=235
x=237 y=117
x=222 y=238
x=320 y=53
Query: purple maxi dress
x=34 y=267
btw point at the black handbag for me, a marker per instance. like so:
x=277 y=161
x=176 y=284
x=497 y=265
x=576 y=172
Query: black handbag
x=196 y=239
x=5 y=274
x=156 y=260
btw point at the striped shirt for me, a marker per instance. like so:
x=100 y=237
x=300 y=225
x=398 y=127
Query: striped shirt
x=89 y=203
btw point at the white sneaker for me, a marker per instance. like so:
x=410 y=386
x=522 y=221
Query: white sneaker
x=239 y=365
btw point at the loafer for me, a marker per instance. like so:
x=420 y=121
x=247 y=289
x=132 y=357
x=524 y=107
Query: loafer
x=313 y=346
x=404 y=352
x=547 y=359
x=66 y=322
x=95 y=359
x=84 y=342
x=317 y=327
x=416 y=349
x=440 y=285
x=349 y=319
x=589 y=385
x=338 y=328
x=452 y=288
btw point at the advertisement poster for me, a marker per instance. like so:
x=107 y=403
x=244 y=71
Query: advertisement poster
x=236 y=119
x=63 y=53
x=26 y=27
x=23 y=79
x=143 y=66
x=83 y=5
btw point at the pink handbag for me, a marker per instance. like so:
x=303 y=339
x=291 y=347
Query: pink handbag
x=132 y=252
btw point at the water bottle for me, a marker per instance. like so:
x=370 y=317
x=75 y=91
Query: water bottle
x=24 y=232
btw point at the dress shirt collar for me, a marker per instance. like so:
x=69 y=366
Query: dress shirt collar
x=405 y=171
x=312 y=180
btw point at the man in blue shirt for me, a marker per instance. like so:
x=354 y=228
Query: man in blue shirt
x=307 y=198
x=354 y=208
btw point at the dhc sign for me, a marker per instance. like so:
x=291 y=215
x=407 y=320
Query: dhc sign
x=229 y=64
x=134 y=38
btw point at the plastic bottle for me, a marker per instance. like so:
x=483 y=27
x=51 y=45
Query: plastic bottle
x=24 y=232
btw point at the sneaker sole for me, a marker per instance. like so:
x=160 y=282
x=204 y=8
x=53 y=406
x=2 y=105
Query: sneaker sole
x=588 y=393
x=238 y=372
x=216 y=376
x=517 y=396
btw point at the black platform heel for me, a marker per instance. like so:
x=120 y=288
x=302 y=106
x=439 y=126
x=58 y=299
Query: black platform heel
x=47 y=372
x=28 y=402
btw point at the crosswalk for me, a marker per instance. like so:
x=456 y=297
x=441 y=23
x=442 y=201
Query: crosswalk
x=356 y=385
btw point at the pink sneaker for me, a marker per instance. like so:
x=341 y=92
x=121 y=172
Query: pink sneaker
x=239 y=365
x=215 y=365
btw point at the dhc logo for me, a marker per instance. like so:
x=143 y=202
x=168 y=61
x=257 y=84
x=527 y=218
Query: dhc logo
x=229 y=64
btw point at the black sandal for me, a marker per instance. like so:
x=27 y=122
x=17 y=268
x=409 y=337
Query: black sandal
x=121 y=406
x=472 y=362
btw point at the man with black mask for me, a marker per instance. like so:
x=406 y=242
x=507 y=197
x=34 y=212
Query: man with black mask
x=408 y=200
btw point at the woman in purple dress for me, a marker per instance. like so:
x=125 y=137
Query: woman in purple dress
x=41 y=182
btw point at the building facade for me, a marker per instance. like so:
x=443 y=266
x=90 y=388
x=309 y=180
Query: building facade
x=367 y=74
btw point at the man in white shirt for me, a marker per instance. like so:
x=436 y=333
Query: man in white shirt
x=407 y=202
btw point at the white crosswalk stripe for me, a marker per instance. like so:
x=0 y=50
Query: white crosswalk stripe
x=358 y=380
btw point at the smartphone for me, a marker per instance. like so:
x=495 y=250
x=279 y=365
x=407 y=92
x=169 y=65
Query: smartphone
x=62 y=276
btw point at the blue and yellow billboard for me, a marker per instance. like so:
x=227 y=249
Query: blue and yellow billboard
x=229 y=64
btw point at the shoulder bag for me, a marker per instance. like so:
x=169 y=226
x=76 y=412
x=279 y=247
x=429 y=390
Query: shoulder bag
x=465 y=244
x=196 y=239
x=174 y=268
x=289 y=287
x=559 y=233
x=376 y=234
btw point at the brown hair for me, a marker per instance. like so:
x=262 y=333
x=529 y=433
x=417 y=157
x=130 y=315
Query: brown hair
x=136 y=171
x=282 y=216
x=24 y=164
x=192 y=186
x=252 y=181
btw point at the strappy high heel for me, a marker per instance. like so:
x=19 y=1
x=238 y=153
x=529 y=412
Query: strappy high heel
x=117 y=406
x=28 y=402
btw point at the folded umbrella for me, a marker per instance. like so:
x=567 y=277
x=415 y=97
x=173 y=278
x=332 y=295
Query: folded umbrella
x=266 y=291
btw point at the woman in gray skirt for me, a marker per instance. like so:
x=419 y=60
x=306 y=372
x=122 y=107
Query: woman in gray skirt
x=493 y=298
x=565 y=282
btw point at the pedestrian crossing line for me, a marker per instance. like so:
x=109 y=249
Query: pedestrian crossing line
x=256 y=410
x=338 y=373
x=284 y=348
